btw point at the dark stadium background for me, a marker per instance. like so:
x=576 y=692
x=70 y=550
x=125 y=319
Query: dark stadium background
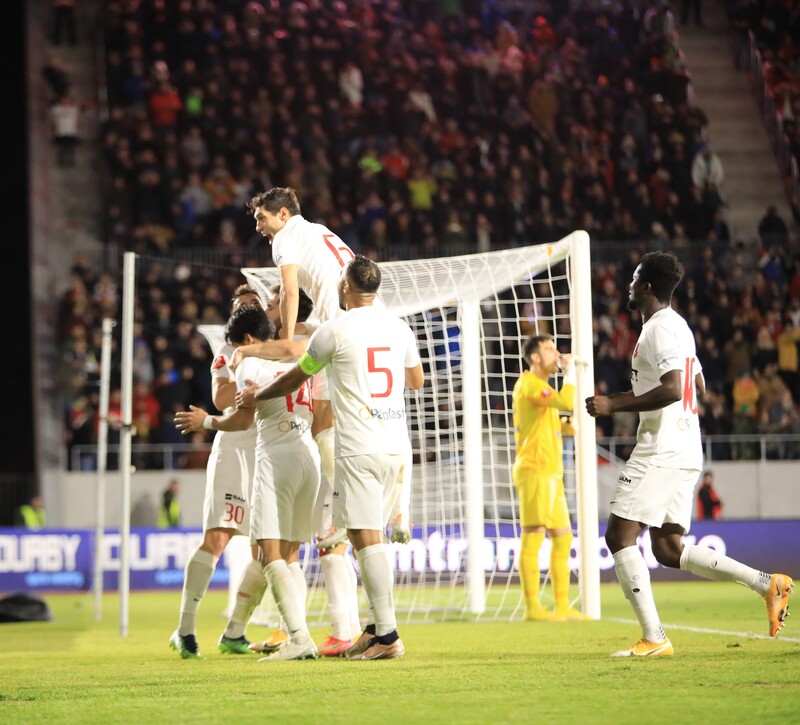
x=16 y=421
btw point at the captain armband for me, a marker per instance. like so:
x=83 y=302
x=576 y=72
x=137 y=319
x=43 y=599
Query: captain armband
x=309 y=365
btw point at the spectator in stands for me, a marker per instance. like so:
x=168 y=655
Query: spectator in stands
x=57 y=75
x=715 y=421
x=780 y=418
x=788 y=355
x=709 y=505
x=64 y=22
x=64 y=118
x=636 y=137
x=707 y=172
x=745 y=413
x=772 y=229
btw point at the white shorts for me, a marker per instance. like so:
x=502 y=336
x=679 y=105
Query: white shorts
x=365 y=489
x=229 y=476
x=284 y=490
x=654 y=495
x=319 y=386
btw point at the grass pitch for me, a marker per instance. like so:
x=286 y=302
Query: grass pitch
x=725 y=669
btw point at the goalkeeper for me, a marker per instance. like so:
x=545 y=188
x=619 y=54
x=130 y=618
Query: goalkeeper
x=538 y=475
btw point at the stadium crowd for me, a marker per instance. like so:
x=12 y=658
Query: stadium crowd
x=422 y=129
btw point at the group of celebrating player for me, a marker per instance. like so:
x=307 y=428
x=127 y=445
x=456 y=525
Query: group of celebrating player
x=313 y=439
x=288 y=462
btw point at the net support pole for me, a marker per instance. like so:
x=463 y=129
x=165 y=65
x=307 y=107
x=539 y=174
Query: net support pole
x=128 y=300
x=585 y=441
x=473 y=452
x=102 y=459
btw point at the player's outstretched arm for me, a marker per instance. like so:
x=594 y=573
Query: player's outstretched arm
x=270 y=350
x=195 y=419
x=277 y=388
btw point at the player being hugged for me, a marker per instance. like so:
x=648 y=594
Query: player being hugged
x=371 y=356
x=286 y=479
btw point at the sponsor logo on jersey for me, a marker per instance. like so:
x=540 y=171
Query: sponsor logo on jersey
x=366 y=413
x=234 y=497
x=285 y=426
x=623 y=478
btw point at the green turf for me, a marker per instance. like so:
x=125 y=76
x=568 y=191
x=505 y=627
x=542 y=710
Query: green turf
x=73 y=670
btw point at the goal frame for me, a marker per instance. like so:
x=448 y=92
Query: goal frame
x=575 y=250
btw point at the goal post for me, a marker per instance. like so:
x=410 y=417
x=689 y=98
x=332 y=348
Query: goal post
x=471 y=314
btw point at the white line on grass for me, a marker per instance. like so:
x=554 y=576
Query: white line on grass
x=703 y=630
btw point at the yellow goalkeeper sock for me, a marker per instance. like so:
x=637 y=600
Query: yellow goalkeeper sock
x=529 y=570
x=559 y=569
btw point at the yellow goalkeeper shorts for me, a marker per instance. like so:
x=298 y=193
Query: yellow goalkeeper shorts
x=542 y=501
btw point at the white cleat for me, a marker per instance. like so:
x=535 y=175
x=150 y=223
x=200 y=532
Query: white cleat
x=294 y=651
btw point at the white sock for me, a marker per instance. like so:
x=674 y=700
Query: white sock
x=325 y=442
x=634 y=578
x=284 y=589
x=196 y=578
x=402 y=504
x=707 y=563
x=355 y=621
x=300 y=584
x=248 y=596
x=337 y=585
x=378 y=579
x=323 y=514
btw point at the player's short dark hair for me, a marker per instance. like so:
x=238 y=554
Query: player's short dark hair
x=532 y=344
x=248 y=320
x=364 y=274
x=662 y=271
x=276 y=199
x=305 y=305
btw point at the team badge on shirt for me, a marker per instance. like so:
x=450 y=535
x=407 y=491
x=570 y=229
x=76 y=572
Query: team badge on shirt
x=546 y=392
x=219 y=362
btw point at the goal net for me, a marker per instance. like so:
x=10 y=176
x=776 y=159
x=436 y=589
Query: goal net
x=471 y=315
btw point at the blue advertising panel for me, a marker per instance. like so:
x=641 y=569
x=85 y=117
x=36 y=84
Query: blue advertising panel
x=61 y=560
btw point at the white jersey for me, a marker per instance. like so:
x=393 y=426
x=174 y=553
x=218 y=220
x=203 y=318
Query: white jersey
x=229 y=473
x=220 y=366
x=319 y=255
x=669 y=437
x=282 y=423
x=368 y=350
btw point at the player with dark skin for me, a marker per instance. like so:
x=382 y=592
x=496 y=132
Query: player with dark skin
x=666 y=540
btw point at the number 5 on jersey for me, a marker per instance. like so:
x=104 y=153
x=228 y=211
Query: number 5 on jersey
x=344 y=248
x=373 y=367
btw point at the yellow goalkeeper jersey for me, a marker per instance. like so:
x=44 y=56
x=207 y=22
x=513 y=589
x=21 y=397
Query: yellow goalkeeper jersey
x=537 y=426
